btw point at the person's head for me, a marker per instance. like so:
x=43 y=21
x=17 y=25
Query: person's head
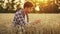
x=28 y=7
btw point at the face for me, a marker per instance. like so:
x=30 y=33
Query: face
x=29 y=9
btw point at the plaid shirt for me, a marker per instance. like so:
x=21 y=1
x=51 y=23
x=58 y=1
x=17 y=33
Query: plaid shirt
x=19 y=18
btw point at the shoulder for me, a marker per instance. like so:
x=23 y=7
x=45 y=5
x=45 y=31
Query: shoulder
x=19 y=12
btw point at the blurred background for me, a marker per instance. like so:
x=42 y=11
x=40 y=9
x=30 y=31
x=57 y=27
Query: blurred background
x=41 y=6
x=48 y=11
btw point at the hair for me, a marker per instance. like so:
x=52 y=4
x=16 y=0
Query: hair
x=28 y=4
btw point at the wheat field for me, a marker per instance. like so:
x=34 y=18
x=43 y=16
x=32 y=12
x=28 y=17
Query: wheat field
x=50 y=24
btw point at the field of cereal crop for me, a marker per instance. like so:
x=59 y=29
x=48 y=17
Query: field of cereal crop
x=50 y=23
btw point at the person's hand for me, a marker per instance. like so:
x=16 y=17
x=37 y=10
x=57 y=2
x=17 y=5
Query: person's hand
x=37 y=21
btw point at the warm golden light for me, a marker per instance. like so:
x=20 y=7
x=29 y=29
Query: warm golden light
x=0 y=3
x=4 y=5
x=22 y=1
x=6 y=1
x=41 y=0
x=58 y=7
x=37 y=8
x=45 y=1
x=15 y=7
x=16 y=1
x=10 y=1
x=21 y=5
x=51 y=0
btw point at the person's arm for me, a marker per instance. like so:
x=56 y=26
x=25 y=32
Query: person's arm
x=34 y=22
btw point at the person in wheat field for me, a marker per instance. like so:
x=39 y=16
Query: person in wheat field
x=21 y=16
